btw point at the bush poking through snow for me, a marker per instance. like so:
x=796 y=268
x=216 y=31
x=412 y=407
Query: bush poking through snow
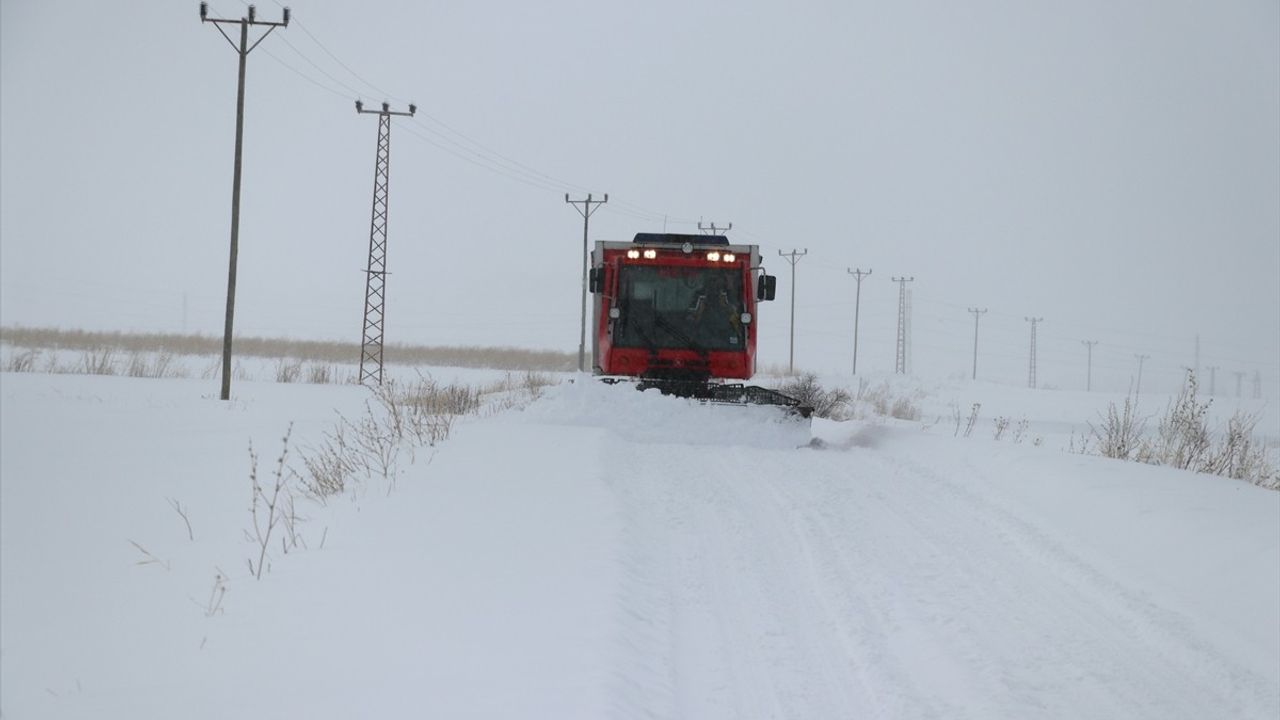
x=969 y=424
x=826 y=403
x=1001 y=426
x=884 y=402
x=1184 y=439
x=1120 y=433
x=398 y=417
x=268 y=504
x=98 y=361
x=160 y=365
x=331 y=465
x=321 y=374
x=22 y=361
x=288 y=371
x=213 y=606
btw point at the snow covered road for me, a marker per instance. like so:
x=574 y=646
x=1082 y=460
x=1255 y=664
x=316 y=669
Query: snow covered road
x=890 y=576
x=864 y=584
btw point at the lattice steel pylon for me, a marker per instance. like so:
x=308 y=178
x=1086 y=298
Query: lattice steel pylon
x=376 y=275
x=900 y=360
x=1031 y=364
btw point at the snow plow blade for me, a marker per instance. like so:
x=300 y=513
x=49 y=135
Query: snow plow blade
x=729 y=394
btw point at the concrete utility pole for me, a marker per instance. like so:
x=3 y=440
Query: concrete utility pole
x=1031 y=376
x=1088 y=383
x=976 y=314
x=900 y=356
x=711 y=229
x=1239 y=379
x=375 y=281
x=586 y=211
x=793 y=257
x=1141 y=359
x=1213 y=379
x=243 y=50
x=857 y=304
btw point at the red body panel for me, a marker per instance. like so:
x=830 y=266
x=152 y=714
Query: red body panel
x=671 y=358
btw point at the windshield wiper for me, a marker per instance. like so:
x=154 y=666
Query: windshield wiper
x=679 y=334
x=639 y=329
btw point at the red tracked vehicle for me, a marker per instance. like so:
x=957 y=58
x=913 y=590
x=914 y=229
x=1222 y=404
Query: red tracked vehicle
x=678 y=313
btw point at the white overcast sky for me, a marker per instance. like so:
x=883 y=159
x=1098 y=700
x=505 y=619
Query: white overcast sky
x=1112 y=167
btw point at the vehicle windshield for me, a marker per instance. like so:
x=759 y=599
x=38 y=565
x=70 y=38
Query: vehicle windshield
x=680 y=307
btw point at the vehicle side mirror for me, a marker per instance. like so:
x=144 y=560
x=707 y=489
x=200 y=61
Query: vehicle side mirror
x=594 y=280
x=766 y=287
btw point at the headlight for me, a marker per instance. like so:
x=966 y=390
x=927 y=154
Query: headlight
x=650 y=254
x=633 y=254
x=713 y=256
x=729 y=257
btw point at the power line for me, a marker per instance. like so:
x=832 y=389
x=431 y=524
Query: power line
x=488 y=158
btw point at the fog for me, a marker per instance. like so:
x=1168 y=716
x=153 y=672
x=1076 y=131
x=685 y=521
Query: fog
x=1113 y=168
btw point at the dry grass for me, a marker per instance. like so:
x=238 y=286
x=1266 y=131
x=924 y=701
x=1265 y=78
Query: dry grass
x=316 y=351
x=1184 y=439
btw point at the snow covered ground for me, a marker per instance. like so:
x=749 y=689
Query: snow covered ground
x=607 y=553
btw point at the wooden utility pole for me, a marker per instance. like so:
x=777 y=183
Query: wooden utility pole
x=976 y=314
x=242 y=49
x=857 y=304
x=1141 y=359
x=586 y=211
x=793 y=257
x=1088 y=382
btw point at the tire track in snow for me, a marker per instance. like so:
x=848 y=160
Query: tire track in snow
x=749 y=636
x=872 y=584
x=1148 y=657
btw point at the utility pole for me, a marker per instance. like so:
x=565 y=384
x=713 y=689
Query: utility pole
x=1088 y=383
x=857 y=304
x=1031 y=376
x=1213 y=379
x=976 y=314
x=907 y=345
x=900 y=355
x=243 y=50
x=1141 y=359
x=713 y=230
x=375 y=282
x=1239 y=379
x=793 y=257
x=586 y=211
x=1257 y=384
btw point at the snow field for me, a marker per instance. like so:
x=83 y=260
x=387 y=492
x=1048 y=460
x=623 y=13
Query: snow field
x=607 y=553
